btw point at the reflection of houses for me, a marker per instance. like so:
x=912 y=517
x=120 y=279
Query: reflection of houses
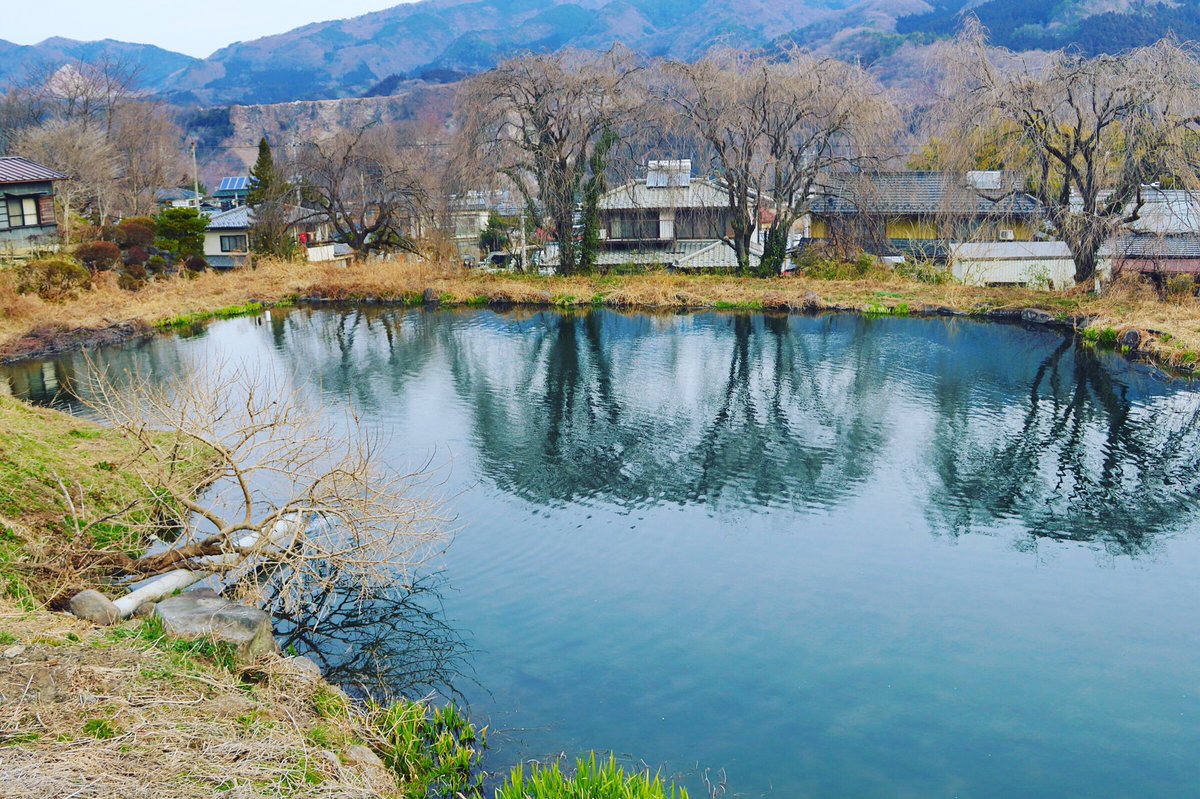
x=668 y=218
x=26 y=204
x=920 y=215
x=232 y=192
x=227 y=238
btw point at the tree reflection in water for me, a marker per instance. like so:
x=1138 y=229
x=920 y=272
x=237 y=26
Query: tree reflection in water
x=394 y=643
x=1076 y=459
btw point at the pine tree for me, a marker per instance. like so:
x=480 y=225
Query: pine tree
x=263 y=178
x=267 y=198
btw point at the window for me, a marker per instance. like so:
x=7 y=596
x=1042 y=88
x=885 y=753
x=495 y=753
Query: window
x=632 y=226
x=22 y=212
x=233 y=244
x=699 y=224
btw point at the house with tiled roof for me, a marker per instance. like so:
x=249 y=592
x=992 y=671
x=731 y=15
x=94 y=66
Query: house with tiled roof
x=668 y=218
x=227 y=238
x=1165 y=238
x=920 y=214
x=27 y=219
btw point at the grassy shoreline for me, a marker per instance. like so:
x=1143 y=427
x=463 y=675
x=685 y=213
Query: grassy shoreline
x=1168 y=333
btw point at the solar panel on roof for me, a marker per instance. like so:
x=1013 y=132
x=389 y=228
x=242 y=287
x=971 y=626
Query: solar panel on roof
x=234 y=184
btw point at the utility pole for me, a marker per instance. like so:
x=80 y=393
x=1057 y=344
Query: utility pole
x=195 y=176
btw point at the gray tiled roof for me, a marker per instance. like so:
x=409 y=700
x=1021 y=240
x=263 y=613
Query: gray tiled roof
x=234 y=219
x=1183 y=247
x=920 y=193
x=14 y=169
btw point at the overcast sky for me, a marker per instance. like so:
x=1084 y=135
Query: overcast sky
x=195 y=27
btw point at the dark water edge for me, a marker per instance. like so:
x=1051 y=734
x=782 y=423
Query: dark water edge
x=834 y=555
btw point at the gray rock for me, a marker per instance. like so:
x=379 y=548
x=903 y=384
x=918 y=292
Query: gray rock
x=144 y=610
x=206 y=615
x=1037 y=317
x=304 y=666
x=14 y=652
x=1131 y=339
x=359 y=755
x=330 y=758
x=429 y=297
x=95 y=607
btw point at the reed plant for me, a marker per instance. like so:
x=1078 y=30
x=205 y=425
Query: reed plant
x=592 y=779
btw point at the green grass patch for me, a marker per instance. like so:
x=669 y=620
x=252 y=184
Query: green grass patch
x=593 y=779
x=193 y=319
x=100 y=729
x=739 y=305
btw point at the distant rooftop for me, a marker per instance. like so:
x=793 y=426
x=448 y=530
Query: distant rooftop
x=14 y=169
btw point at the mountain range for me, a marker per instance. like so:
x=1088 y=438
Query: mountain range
x=440 y=41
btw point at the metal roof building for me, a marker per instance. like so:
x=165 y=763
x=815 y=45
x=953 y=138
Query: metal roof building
x=14 y=169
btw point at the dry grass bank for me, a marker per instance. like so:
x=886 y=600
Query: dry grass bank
x=29 y=325
x=124 y=713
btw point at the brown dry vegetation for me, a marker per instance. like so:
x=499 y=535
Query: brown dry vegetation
x=30 y=325
x=123 y=713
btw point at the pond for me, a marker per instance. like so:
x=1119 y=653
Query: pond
x=817 y=556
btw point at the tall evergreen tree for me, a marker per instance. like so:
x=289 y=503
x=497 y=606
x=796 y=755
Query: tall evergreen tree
x=268 y=200
x=263 y=177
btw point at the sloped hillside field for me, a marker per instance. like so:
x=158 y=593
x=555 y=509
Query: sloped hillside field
x=804 y=556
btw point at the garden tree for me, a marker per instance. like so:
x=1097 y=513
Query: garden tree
x=180 y=231
x=282 y=500
x=495 y=236
x=594 y=188
x=268 y=198
x=371 y=195
x=80 y=152
x=773 y=129
x=537 y=120
x=1086 y=134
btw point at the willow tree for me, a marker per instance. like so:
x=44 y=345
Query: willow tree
x=1088 y=135
x=371 y=194
x=775 y=130
x=540 y=120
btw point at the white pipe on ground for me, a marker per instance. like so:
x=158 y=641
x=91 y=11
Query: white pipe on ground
x=170 y=582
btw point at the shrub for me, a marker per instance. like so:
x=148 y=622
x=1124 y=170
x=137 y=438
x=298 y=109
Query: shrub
x=156 y=265
x=1180 y=288
x=924 y=272
x=127 y=282
x=196 y=264
x=595 y=780
x=180 y=231
x=131 y=233
x=98 y=256
x=53 y=278
x=135 y=255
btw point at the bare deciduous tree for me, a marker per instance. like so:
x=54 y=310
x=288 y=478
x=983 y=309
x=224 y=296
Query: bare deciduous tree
x=371 y=194
x=538 y=121
x=773 y=129
x=149 y=152
x=267 y=490
x=81 y=153
x=1087 y=134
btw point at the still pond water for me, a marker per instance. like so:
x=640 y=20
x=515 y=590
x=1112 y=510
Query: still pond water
x=825 y=556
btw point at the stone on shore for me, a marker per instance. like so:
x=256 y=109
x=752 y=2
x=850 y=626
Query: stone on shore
x=359 y=755
x=94 y=607
x=203 y=614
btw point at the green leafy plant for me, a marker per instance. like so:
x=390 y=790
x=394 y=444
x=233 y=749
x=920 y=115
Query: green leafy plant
x=593 y=779
x=435 y=752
